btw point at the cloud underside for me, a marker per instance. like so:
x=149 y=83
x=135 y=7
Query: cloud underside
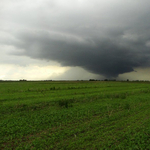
x=109 y=56
x=106 y=39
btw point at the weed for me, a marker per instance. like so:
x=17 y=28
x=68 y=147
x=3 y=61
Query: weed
x=65 y=103
x=127 y=106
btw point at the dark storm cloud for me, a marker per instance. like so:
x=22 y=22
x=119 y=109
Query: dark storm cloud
x=106 y=38
x=110 y=56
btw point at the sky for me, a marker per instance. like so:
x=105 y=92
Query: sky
x=74 y=39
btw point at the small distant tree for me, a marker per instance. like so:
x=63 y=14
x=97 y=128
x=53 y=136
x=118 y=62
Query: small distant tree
x=22 y=80
x=91 y=79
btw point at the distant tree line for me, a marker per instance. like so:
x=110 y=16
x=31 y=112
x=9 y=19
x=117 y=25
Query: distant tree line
x=23 y=80
x=102 y=80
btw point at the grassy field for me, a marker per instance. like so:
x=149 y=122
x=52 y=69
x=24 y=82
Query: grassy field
x=74 y=115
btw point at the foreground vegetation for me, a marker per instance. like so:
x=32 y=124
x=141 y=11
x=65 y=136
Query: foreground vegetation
x=74 y=115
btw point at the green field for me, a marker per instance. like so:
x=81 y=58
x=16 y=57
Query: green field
x=74 y=115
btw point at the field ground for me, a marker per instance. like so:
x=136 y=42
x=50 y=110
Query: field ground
x=74 y=115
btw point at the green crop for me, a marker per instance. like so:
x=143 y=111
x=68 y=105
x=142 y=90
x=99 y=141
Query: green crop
x=74 y=115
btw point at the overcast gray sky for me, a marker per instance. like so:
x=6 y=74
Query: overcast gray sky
x=80 y=39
